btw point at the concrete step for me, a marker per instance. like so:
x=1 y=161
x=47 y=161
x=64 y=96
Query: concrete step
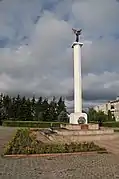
x=84 y=132
x=77 y=138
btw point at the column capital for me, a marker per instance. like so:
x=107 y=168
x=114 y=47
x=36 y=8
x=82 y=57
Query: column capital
x=77 y=43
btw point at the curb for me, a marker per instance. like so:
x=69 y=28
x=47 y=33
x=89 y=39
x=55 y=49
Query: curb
x=52 y=155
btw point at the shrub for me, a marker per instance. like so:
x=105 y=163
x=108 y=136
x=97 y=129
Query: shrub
x=111 y=124
x=24 y=142
x=34 y=124
x=63 y=117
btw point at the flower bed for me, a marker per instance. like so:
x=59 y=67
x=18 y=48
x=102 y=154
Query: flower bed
x=24 y=142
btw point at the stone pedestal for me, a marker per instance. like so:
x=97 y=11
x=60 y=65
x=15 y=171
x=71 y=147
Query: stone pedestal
x=78 y=118
x=81 y=133
x=77 y=127
x=84 y=126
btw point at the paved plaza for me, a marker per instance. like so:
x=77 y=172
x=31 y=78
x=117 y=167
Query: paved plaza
x=66 y=167
x=6 y=134
x=100 y=166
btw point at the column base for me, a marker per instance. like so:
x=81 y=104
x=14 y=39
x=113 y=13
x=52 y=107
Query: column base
x=78 y=118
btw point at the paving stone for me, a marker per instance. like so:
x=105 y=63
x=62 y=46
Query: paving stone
x=5 y=135
x=111 y=145
x=99 y=166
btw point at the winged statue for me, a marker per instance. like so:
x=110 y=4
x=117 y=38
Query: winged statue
x=77 y=33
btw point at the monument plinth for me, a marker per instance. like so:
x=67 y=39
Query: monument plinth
x=77 y=117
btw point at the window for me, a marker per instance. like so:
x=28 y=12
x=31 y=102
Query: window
x=112 y=106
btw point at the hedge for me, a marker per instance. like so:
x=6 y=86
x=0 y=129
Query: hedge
x=42 y=124
x=96 y=122
x=34 y=124
x=111 y=124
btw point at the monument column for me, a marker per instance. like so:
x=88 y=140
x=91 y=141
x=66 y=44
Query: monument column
x=77 y=116
x=77 y=77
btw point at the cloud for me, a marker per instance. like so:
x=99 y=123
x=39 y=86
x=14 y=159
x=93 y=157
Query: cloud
x=101 y=87
x=96 y=16
x=36 y=54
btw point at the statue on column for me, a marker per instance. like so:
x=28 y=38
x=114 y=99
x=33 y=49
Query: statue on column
x=77 y=33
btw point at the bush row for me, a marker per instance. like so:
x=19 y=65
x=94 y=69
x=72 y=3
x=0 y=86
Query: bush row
x=42 y=124
x=34 y=124
x=96 y=122
x=111 y=124
x=24 y=142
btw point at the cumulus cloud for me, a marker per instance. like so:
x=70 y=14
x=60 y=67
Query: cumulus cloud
x=36 y=54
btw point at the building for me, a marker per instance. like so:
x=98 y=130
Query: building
x=113 y=106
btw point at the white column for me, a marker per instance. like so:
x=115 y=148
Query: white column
x=77 y=79
x=74 y=117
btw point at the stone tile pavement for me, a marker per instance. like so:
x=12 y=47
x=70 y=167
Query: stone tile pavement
x=5 y=135
x=101 y=166
x=111 y=145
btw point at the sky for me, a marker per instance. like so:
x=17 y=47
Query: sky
x=36 y=57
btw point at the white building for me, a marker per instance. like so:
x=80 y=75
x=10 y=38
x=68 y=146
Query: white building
x=113 y=106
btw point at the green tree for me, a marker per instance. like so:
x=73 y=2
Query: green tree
x=53 y=110
x=13 y=109
x=33 y=107
x=18 y=107
x=101 y=116
x=38 y=113
x=96 y=116
x=61 y=106
x=92 y=114
x=7 y=106
x=63 y=117
x=23 y=107
x=109 y=116
x=45 y=110
x=29 y=116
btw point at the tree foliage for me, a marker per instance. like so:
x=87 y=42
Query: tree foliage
x=24 y=109
x=110 y=118
x=63 y=117
x=99 y=116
